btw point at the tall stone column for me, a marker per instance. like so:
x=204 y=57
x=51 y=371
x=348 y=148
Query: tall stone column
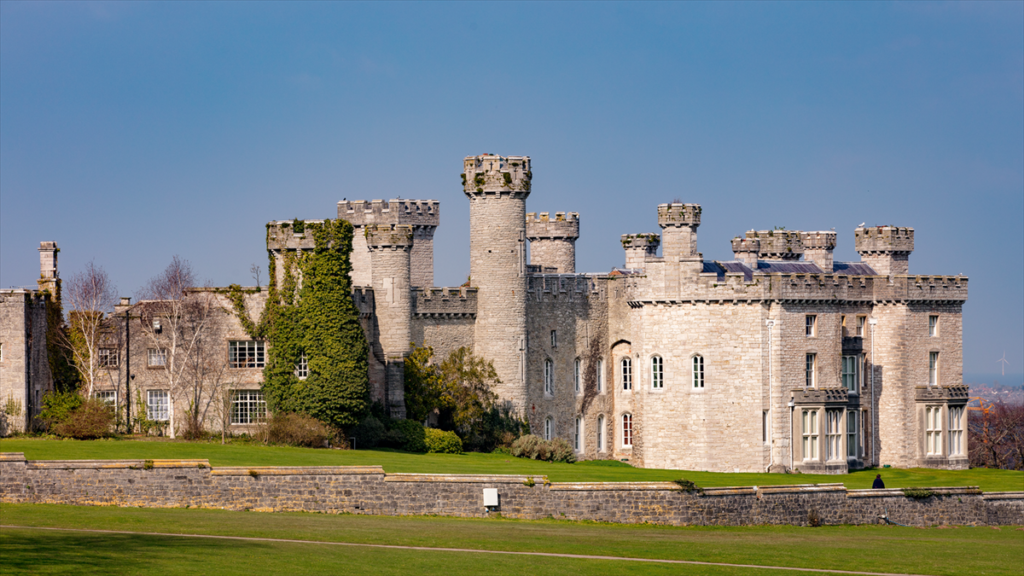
x=679 y=223
x=497 y=188
x=390 y=250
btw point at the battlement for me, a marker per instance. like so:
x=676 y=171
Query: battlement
x=648 y=242
x=393 y=212
x=542 y=226
x=389 y=236
x=746 y=245
x=825 y=240
x=446 y=301
x=493 y=174
x=290 y=235
x=883 y=240
x=677 y=215
x=778 y=244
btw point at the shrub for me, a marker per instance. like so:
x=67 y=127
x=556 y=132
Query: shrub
x=295 y=429
x=93 y=418
x=392 y=439
x=527 y=446
x=442 y=441
x=561 y=451
x=918 y=493
x=368 y=433
x=413 y=433
x=57 y=406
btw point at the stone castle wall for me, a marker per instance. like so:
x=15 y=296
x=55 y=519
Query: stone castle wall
x=24 y=368
x=369 y=490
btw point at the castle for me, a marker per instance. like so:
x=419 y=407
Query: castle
x=780 y=359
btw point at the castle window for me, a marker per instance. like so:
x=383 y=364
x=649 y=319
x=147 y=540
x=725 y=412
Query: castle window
x=549 y=377
x=246 y=354
x=157 y=405
x=842 y=322
x=248 y=407
x=933 y=325
x=627 y=373
x=549 y=428
x=600 y=376
x=933 y=368
x=554 y=338
x=577 y=438
x=833 y=435
x=956 y=431
x=849 y=373
x=810 y=324
x=107 y=358
x=577 y=374
x=933 y=430
x=657 y=372
x=812 y=361
x=698 y=372
x=107 y=396
x=809 y=428
x=302 y=368
x=157 y=357
x=852 y=438
x=600 y=433
x=861 y=320
x=627 y=430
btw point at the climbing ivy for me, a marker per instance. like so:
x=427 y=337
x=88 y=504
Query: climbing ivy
x=62 y=368
x=319 y=320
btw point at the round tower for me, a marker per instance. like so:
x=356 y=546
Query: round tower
x=497 y=188
x=818 y=247
x=679 y=223
x=885 y=248
x=640 y=247
x=778 y=244
x=390 y=248
x=553 y=241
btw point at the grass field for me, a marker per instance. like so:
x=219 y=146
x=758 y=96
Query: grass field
x=475 y=463
x=889 y=549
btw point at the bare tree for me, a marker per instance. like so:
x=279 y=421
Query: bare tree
x=88 y=296
x=175 y=322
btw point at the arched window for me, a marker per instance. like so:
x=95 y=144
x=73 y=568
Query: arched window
x=577 y=375
x=549 y=377
x=657 y=372
x=600 y=375
x=698 y=371
x=549 y=428
x=577 y=438
x=600 y=433
x=627 y=430
x=627 y=373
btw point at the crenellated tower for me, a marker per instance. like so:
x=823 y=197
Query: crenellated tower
x=423 y=215
x=390 y=248
x=885 y=248
x=49 y=279
x=284 y=237
x=639 y=247
x=553 y=241
x=679 y=223
x=746 y=250
x=778 y=244
x=497 y=188
x=818 y=247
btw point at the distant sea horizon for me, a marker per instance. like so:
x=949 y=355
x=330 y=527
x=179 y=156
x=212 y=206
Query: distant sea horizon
x=1014 y=380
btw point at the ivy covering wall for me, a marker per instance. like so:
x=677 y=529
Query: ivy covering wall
x=312 y=313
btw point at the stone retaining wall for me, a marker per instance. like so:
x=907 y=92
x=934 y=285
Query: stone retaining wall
x=369 y=490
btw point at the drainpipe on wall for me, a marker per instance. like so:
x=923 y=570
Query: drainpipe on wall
x=771 y=401
x=791 y=445
x=874 y=436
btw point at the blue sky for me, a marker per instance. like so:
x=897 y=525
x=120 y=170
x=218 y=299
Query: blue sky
x=131 y=132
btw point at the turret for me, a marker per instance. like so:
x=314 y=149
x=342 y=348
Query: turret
x=423 y=215
x=390 y=250
x=679 y=224
x=778 y=244
x=885 y=248
x=48 y=277
x=818 y=247
x=284 y=236
x=640 y=247
x=746 y=250
x=553 y=241
x=497 y=188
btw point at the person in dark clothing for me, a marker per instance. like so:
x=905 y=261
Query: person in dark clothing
x=878 y=482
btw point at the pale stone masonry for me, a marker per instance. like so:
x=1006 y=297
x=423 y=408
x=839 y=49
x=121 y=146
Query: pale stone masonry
x=779 y=359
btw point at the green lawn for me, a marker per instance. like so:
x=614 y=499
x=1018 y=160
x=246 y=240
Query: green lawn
x=474 y=463
x=976 y=551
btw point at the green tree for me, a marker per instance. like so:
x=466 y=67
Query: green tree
x=459 y=388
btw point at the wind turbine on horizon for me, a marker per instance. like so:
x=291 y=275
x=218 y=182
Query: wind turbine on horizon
x=1003 y=360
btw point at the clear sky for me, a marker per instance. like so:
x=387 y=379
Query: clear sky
x=131 y=132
